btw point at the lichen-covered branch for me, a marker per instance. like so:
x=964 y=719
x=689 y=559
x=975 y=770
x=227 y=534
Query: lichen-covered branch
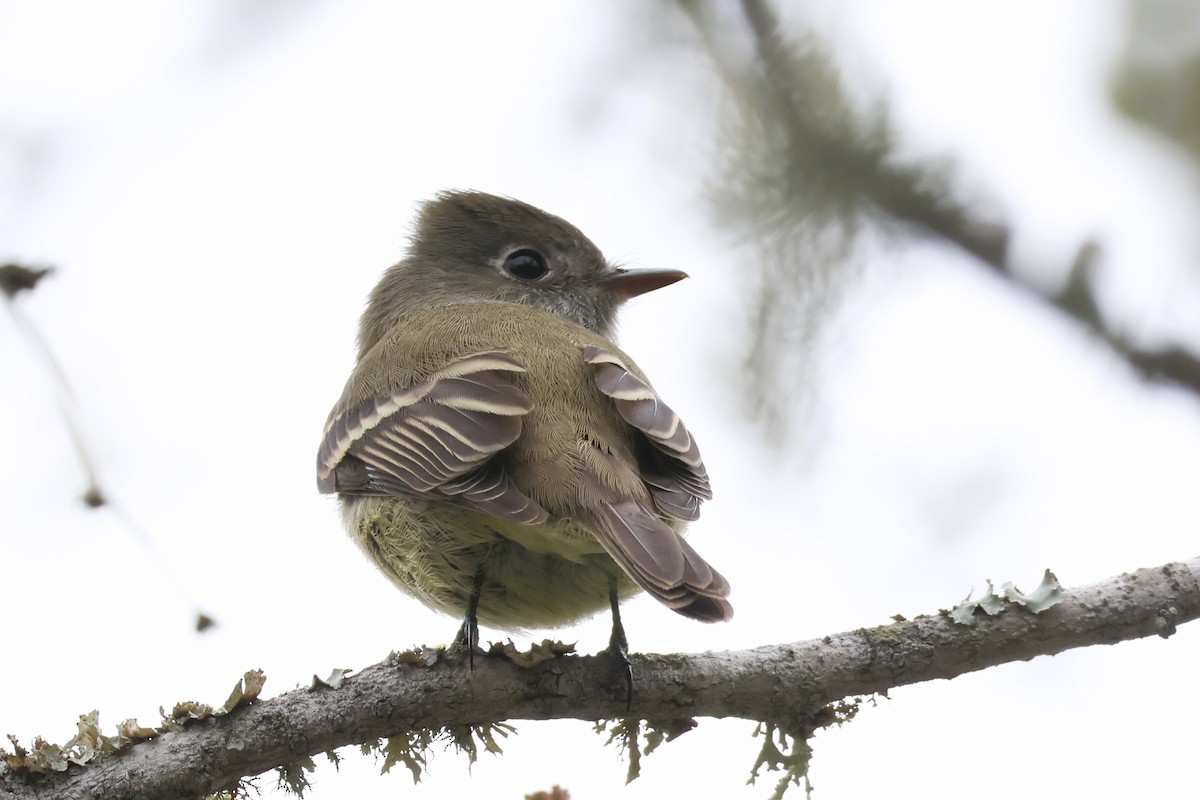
x=787 y=684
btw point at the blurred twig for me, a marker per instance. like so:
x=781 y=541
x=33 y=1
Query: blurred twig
x=1077 y=300
x=16 y=279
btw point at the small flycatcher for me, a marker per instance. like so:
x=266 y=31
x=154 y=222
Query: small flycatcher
x=495 y=454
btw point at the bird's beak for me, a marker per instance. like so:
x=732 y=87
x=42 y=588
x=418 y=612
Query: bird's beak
x=627 y=283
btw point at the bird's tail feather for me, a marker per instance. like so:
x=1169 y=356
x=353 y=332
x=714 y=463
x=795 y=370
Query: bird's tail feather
x=662 y=562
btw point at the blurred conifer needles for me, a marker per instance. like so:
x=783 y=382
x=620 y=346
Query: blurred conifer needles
x=803 y=175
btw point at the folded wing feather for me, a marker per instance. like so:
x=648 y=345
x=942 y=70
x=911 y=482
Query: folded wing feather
x=435 y=439
x=638 y=538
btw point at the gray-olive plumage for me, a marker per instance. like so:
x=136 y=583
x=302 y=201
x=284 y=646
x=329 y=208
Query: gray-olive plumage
x=493 y=443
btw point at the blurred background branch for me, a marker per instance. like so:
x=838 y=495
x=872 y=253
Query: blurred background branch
x=17 y=280
x=802 y=175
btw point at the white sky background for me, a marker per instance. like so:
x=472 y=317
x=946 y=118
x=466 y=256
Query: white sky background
x=219 y=199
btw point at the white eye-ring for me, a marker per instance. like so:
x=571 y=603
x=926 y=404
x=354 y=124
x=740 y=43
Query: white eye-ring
x=525 y=265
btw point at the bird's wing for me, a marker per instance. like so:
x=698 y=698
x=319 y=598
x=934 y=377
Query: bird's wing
x=674 y=473
x=435 y=438
x=669 y=464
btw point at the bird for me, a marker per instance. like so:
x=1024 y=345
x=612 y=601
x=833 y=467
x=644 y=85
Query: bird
x=494 y=453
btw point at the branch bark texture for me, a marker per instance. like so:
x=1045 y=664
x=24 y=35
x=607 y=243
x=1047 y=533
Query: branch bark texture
x=788 y=684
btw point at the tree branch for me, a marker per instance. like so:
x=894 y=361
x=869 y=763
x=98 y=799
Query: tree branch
x=789 y=684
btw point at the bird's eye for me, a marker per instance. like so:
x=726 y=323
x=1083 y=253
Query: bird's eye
x=526 y=265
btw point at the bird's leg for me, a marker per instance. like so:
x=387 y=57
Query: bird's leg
x=468 y=632
x=618 y=645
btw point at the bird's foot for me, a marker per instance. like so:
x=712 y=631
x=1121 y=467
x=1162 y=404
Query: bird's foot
x=468 y=633
x=467 y=639
x=622 y=669
x=618 y=648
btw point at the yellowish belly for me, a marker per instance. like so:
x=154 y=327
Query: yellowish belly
x=535 y=576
